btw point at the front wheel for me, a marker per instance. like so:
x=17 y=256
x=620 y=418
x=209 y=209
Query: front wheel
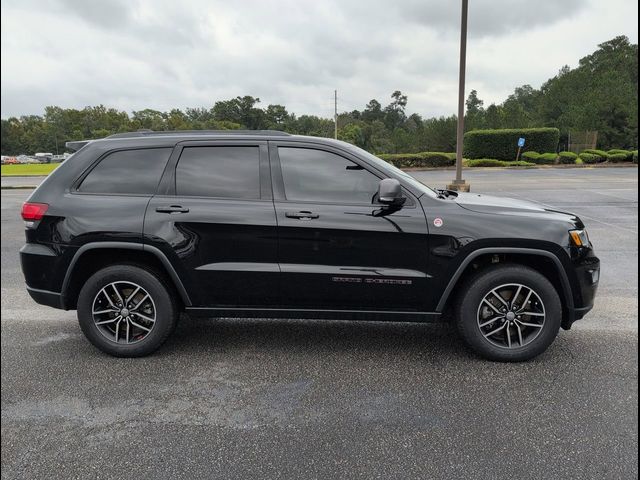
x=509 y=313
x=126 y=311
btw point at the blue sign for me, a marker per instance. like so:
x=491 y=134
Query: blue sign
x=521 y=142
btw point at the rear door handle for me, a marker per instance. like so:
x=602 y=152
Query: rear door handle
x=301 y=215
x=172 y=209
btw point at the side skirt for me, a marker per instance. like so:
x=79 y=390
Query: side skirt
x=371 y=315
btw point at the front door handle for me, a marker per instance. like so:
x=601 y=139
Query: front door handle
x=304 y=215
x=172 y=209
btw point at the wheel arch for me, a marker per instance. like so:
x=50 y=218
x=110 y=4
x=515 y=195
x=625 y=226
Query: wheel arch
x=556 y=273
x=106 y=253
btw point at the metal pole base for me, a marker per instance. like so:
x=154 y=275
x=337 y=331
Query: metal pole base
x=459 y=186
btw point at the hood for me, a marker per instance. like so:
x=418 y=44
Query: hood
x=489 y=204
x=510 y=206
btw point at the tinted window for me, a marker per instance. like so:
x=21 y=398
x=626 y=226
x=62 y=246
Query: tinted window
x=231 y=172
x=127 y=171
x=315 y=175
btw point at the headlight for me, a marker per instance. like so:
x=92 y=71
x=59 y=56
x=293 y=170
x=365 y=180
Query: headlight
x=579 y=238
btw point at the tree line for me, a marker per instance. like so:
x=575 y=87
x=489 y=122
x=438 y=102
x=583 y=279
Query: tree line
x=600 y=94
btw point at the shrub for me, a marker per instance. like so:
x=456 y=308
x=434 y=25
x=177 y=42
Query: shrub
x=503 y=144
x=617 y=157
x=601 y=154
x=628 y=155
x=567 y=158
x=546 y=159
x=589 y=158
x=492 y=162
x=635 y=156
x=422 y=159
x=530 y=156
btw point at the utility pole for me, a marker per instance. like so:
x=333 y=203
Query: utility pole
x=335 y=113
x=459 y=183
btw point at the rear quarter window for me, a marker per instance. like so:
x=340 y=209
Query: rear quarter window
x=135 y=172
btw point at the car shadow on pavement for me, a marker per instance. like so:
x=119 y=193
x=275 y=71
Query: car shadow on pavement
x=319 y=336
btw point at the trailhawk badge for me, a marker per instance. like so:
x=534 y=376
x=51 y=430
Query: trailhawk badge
x=438 y=222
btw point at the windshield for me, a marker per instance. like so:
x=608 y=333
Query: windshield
x=386 y=166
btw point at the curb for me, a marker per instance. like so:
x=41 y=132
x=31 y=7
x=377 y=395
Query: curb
x=528 y=167
x=18 y=187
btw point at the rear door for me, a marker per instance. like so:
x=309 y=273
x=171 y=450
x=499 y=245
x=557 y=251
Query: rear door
x=338 y=247
x=214 y=217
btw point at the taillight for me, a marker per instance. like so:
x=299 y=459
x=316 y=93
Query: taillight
x=33 y=211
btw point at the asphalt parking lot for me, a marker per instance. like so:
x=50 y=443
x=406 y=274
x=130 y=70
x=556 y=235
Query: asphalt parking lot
x=318 y=399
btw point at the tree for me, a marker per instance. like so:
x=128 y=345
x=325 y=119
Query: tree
x=475 y=111
x=493 y=117
x=372 y=111
x=394 y=114
x=276 y=116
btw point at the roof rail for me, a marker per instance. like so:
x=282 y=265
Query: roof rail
x=149 y=133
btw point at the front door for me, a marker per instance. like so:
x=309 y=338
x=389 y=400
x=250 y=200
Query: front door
x=339 y=248
x=215 y=220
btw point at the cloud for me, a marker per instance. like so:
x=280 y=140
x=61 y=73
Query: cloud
x=490 y=18
x=163 y=54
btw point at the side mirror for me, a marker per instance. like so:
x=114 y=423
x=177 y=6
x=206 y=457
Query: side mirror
x=390 y=192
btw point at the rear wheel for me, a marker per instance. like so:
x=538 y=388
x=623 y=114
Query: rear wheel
x=126 y=311
x=509 y=313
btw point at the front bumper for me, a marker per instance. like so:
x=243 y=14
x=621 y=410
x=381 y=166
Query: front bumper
x=585 y=286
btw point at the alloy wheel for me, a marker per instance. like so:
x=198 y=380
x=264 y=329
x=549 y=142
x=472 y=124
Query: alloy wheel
x=511 y=316
x=124 y=312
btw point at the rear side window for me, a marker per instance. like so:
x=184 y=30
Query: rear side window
x=127 y=172
x=225 y=171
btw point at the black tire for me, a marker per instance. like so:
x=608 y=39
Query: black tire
x=165 y=310
x=477 y=287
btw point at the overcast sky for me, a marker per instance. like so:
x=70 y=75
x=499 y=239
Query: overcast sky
x=135 y=54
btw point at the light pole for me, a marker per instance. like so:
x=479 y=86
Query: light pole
x=459 y=183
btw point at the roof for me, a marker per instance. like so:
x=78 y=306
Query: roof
x=77 y=145
x=151 y=133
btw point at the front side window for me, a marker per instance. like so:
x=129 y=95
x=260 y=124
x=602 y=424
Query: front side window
x=317 y=176
x=127 y=172
x=225 y=171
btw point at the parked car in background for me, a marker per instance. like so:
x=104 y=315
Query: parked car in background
x=9 y=160
x=44 y=157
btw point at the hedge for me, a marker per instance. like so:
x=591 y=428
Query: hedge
x=628 y=155
x=422 y=159
x=530 y=156
x=492 y=162
x=589 y=157
x=539 y=159
x=617 y=157
x=546 y=159
x=503 y=144
x=567 y=157
x=601 y=154
x=635 y=156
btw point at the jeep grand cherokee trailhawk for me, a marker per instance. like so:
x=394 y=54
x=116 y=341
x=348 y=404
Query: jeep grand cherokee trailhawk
x=135 y=228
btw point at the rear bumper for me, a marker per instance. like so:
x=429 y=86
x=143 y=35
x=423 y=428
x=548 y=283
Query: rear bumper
x=42 y=267
x=45 y=297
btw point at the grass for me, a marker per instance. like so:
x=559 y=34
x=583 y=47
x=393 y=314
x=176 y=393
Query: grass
x=29 y=169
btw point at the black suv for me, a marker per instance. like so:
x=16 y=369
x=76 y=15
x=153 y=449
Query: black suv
x=135 y=228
